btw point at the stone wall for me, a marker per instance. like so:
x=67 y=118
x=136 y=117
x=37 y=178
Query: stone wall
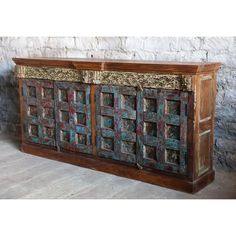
x=148 y=48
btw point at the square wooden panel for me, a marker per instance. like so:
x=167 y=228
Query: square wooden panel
x=150 y=128
x=49 y=132
x=80 y=96
x=150 y=105
x=128 y=102
x=107 y=144
x=62 y=95
x=73 y=115
x=64 y=116
x=80 y=118
x=32 y=90
x=32 y=111
x=128 y=125
x=107 y=122
x=172 y=132
x=81 y=139
x=107 y=99
x=48 y=93
x=128 y=147
x=48 y=113
x=149 y=152
x=34 y=130
x=39 y=120
x=172 y=157
x=173 y=107
x=64 y=136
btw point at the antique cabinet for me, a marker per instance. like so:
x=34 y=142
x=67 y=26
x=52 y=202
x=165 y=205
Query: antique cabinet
x=146 y=120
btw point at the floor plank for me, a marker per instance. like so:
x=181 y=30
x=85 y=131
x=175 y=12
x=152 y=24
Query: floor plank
x=30 y=177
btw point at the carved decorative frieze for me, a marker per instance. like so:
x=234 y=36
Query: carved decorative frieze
x=145 y=80
x=133 y=79
x=49 y=73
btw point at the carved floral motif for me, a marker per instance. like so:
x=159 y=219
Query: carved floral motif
x=49 y=73
x=145 y=80
x=133 y=79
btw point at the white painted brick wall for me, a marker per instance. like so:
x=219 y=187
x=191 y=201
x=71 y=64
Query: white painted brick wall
x=222 y=49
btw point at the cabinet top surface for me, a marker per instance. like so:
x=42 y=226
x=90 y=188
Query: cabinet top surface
x=121 y=65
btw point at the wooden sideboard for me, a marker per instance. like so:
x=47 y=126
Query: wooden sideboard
x=146 y=120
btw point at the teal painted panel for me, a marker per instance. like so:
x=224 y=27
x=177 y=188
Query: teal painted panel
x=106 y=133
x=172 y=119
x=162 y=119
x=38 y=97
x=73 y=116
x=116 y=123
x=128 y=136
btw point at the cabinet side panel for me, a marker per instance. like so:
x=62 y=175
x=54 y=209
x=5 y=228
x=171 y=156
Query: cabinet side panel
x=206 y=98
x=206 y=123
x=204 y=151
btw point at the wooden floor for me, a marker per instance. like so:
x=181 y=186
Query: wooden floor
x=27 y=176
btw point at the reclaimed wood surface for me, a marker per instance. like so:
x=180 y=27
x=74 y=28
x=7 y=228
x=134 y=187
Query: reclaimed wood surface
x=158 y=136
x=122 y=65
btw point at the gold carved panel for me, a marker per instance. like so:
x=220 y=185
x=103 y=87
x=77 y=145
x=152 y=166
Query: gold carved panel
x=133 y=79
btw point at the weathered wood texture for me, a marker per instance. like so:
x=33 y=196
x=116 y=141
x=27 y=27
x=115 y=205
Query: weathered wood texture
x=39 y=122
x=121 y=65
x=205 y=116
x=116 y=123
x=159 y=136
x=73 y=116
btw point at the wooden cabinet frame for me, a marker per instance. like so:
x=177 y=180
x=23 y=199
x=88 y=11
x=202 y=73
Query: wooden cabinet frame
x=161 y=133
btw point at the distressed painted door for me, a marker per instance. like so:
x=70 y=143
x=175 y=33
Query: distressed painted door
x=39 y=122
x=116 y=123
x=162 y=118
x=73 y=114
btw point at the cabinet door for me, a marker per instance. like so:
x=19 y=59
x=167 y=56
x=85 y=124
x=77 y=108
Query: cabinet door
x=116 y=123
x=73 y=116
x=162 y=117
x=39 y=120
